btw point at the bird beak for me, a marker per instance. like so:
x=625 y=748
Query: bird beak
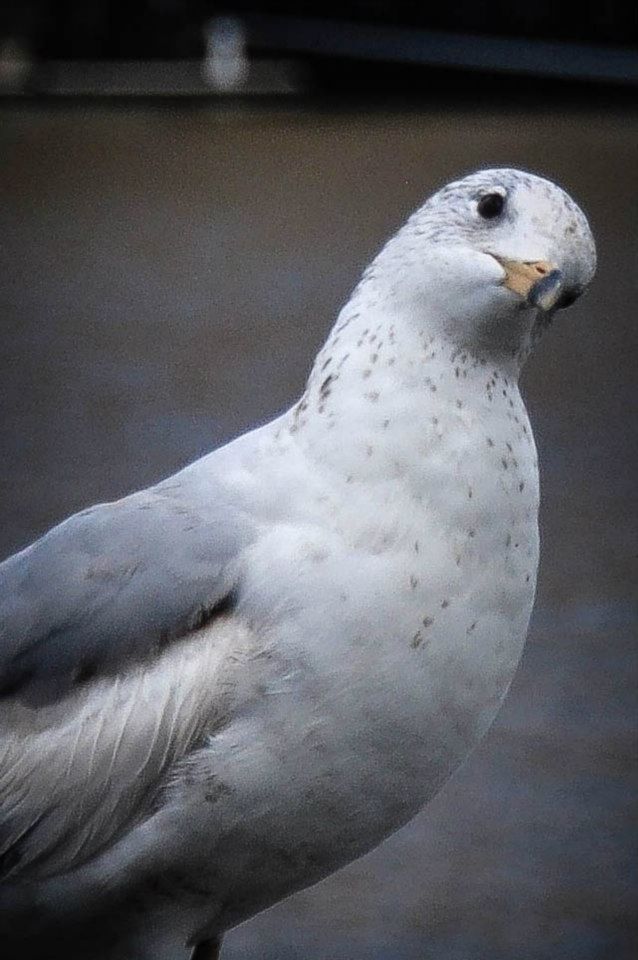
x=539 y=283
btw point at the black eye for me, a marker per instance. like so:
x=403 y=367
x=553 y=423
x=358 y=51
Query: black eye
x=491 y=205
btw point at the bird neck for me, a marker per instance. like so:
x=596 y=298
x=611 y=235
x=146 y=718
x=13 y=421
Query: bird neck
x=381 y=386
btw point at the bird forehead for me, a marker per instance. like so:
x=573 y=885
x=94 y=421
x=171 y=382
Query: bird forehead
x=525 y=187
x=536 y=205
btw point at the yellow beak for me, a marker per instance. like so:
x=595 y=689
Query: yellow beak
x=538 y=282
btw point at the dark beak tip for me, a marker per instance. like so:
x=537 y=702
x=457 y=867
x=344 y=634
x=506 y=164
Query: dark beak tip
x=567 y=298
x=548 y=291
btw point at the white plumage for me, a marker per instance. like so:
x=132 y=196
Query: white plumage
x=221 y=689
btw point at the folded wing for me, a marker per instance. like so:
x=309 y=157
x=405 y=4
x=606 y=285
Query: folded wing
x=113 y=627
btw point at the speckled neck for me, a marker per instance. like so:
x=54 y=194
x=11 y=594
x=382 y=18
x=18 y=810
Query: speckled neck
x=382 y=391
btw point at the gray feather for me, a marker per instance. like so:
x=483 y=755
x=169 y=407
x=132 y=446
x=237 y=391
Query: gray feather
x=114 y=584
x=99 y=699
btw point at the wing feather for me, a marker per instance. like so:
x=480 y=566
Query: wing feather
x=114 y=630
x=111 y=585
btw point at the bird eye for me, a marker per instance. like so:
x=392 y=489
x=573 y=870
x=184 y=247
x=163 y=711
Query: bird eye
x=491 y=205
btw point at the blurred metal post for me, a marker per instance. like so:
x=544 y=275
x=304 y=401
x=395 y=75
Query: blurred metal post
x=225 y=67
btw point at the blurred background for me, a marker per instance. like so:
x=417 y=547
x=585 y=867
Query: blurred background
x=189 y=193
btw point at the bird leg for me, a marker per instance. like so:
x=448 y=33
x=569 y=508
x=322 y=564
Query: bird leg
x=207 y=949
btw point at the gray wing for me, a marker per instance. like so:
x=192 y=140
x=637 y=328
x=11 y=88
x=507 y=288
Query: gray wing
x=104 y=682
x=112 y=584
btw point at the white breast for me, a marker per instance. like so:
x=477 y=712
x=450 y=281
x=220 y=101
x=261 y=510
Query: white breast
x=400 y=598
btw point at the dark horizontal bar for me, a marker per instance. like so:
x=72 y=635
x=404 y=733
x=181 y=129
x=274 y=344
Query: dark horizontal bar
x=333 y=38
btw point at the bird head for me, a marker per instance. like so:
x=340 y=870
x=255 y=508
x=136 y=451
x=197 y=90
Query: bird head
x=487 y=261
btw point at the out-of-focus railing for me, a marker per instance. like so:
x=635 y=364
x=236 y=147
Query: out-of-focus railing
x=248 y=53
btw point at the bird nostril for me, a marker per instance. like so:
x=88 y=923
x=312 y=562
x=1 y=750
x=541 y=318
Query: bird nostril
x=542 y=269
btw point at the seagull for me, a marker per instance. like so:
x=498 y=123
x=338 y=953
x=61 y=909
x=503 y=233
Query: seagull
x=221 y=689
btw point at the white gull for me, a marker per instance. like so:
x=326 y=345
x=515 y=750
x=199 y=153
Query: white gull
x=223 y=688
